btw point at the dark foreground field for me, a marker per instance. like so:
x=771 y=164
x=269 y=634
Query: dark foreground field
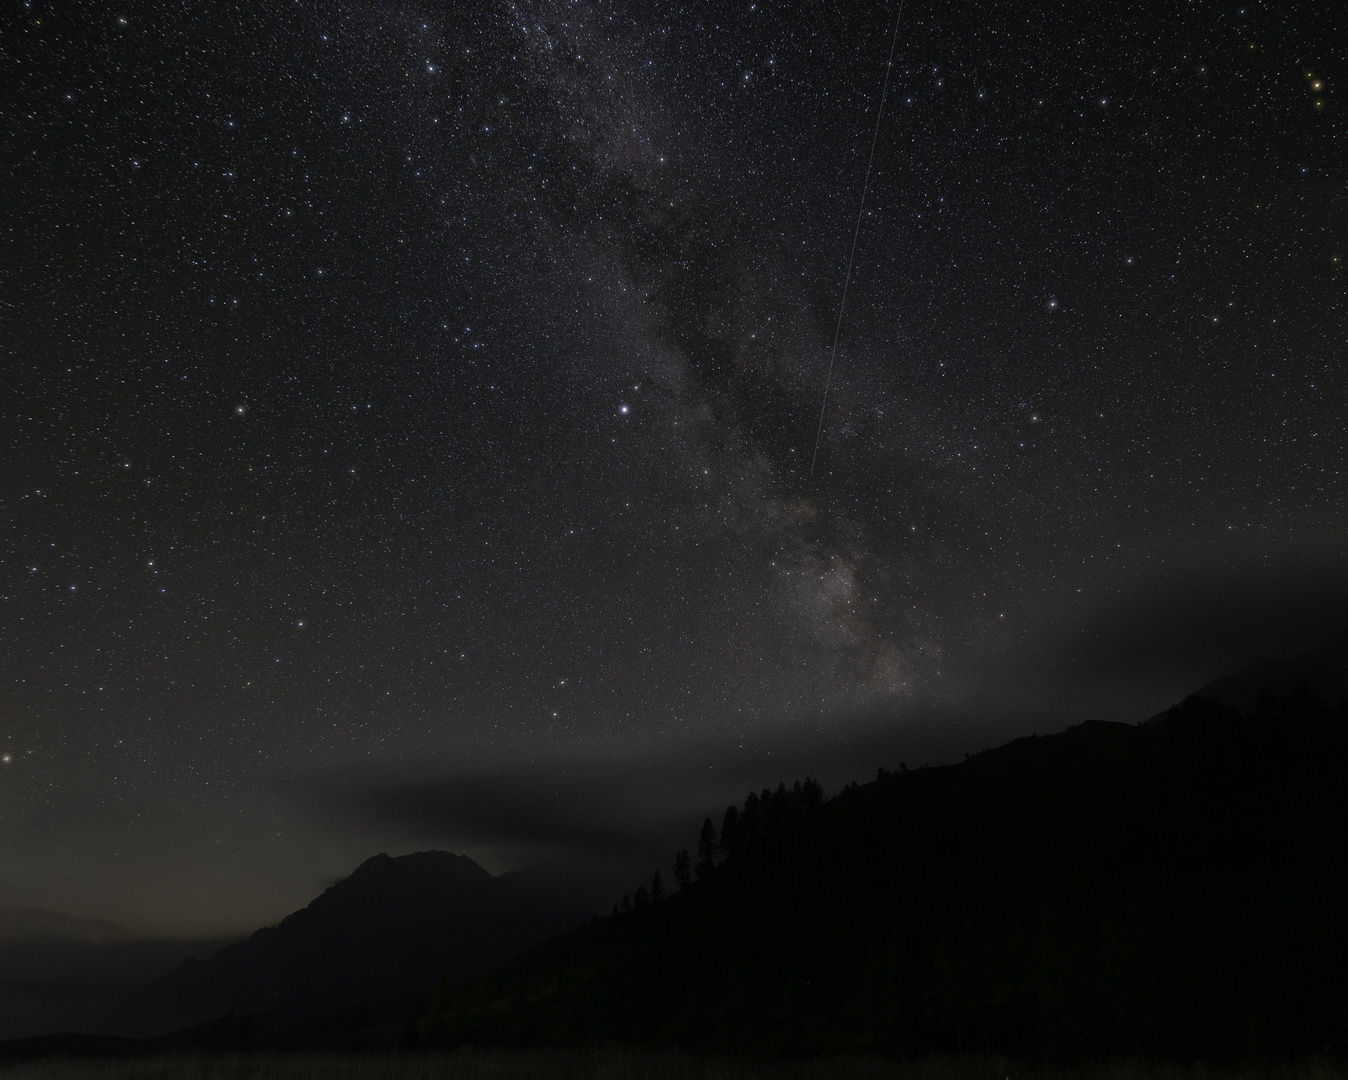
x=621 y=1064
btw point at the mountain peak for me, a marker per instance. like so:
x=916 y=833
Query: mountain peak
x=422 y=867
x=395 y=924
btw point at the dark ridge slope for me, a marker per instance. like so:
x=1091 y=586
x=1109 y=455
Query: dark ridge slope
x=1173 y=888
x=395 y=925
x=1323 y=671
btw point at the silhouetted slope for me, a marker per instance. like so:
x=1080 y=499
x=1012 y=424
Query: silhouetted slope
x=1323 y=671
x=395 y=925
x=1176 y=887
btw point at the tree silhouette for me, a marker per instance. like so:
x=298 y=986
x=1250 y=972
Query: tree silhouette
x=682 y=870
x=730 y=833
x=1174 y=888
x=706 y=850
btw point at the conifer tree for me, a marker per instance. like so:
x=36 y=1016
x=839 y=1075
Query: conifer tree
x=730 y=833
x=706 y=849
x=682 y=870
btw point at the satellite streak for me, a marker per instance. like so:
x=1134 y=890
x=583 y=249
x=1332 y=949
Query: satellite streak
x=856 y=232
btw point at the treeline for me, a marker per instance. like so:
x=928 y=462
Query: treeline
x=1175 y=888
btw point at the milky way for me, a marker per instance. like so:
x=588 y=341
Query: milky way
x=403 y=394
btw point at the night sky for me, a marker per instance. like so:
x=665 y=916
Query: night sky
x=407 y=413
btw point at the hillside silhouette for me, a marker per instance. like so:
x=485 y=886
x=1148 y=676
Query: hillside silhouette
x=1322 y=671
x=1174 y=888
x=396 y=925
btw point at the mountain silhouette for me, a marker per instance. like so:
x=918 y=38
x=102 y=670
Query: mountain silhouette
x=1173 y=888
x=397 y=924
x=1322 y=671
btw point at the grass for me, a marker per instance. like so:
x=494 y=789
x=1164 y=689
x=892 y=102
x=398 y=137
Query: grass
x=628 y=1064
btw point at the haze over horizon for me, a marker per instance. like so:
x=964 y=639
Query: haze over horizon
x=409 y=411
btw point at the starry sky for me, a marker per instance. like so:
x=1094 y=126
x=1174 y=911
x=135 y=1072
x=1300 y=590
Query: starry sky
x=408 y=413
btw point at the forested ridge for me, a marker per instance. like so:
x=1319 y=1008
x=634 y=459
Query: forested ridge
x=1173 y=888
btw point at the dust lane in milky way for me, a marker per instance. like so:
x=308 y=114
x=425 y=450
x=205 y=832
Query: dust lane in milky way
x=406 y=404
